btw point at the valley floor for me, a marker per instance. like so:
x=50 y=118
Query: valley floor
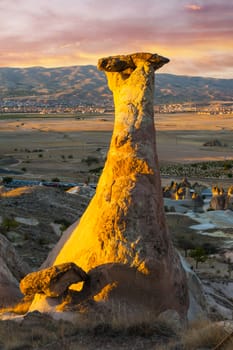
x=75 y=150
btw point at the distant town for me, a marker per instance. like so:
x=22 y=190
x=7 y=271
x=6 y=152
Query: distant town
x=35 y=106
x=212 y=108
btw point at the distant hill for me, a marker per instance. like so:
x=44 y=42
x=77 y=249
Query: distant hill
x=86 y=85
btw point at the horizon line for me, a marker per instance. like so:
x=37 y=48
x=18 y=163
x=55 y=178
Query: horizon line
x=93 y=65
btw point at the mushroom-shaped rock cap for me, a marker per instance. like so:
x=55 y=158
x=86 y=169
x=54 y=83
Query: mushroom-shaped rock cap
x=123 y=62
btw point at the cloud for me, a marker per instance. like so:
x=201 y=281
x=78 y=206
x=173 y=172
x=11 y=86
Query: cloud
x=59 y=32
x=209 y=64
x=193 y=7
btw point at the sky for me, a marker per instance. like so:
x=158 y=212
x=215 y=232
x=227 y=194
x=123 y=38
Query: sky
x=196 y=35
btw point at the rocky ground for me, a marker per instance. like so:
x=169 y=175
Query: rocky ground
x=32 y=219
x=41 y=332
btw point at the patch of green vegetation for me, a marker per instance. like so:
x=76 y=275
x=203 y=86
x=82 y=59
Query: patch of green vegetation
x=209 y=169
x=227 y=165
x=7 y=179
x=204 y=167
x=55 y=179
x=199 y=255
x=9 y=223
x=186 y=239
x=96 y=170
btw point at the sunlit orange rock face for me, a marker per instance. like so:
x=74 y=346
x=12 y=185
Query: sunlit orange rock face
x=122 y=240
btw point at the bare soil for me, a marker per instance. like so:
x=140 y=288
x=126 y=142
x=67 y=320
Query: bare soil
x=58 y=147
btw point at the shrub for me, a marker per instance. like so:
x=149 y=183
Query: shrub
x=55 y=179
x=227 y=165
x=90 y=160
x=203 y=335
x=199 y=255
x=63 y=222
x=204 y=167
x=96 y=170
x=9 y=223
x=209 y=248
x=185 y=244
x=7 y=179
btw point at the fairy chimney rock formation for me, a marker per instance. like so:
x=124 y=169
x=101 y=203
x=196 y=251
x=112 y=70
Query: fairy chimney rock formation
x=124 y=227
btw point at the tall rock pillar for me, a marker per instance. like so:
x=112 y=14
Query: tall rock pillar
x=122 y=238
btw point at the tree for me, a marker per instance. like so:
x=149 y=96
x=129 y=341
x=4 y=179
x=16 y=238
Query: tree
x=185 y=244
x=7 y=179
x=199 y=255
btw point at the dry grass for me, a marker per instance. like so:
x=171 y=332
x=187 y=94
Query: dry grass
x=119 y=317
x=114 y=328
x=20 y=308
x=33 y=333
x=203 y=334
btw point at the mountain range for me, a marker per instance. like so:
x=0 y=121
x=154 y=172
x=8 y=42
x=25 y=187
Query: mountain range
x=85 y=85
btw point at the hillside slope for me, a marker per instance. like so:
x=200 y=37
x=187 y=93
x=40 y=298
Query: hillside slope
x=86 y=85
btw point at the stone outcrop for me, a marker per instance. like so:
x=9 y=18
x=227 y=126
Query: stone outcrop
x=12 y=269
x=122 y=240
x=198 y=308
x=229 y=199
x=221 y=200
x=184 y=192
x=54 y=281
x=218 y=202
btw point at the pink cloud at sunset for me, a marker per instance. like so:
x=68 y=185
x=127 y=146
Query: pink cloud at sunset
x=197 y=36
x=193 y=7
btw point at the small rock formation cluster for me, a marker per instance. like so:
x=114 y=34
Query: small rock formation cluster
x=182 y=191
x=221 y=200
x=122 y=240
